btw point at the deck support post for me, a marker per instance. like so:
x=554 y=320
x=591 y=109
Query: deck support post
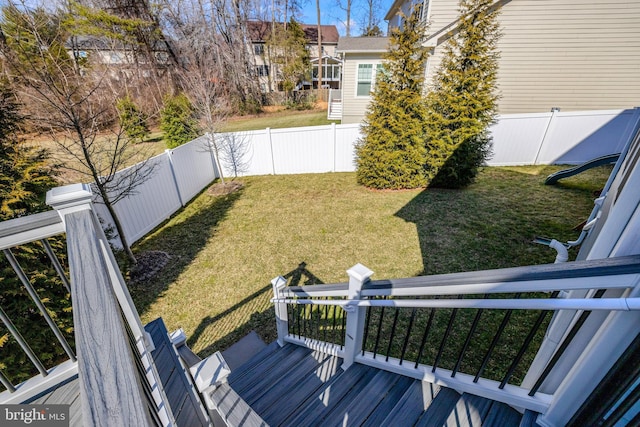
x=358 y=276
x=282 y=319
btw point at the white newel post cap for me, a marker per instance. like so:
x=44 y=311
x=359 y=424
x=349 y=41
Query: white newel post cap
x=358 y=275
x=70 y=198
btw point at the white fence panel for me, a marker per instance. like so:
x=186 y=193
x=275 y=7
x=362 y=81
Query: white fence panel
x=346 y=137
x=153 y=201
x=517 y=138
x=576 y=137
x=302 y=150
x=193 y=166
x=256 y=157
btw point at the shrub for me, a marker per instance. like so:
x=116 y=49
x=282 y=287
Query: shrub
x=177 y=121
x=463 y=101
x=132 y=120
x=392 y=153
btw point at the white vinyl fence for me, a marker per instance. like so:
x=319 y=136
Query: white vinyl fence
x=518 y=139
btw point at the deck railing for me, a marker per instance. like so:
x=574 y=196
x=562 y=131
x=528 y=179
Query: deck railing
x=28 y=238
x=119 y=384
x=477 y=332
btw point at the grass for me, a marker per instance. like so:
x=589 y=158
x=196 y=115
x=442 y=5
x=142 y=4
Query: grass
x=277 y=120
x=226 y=249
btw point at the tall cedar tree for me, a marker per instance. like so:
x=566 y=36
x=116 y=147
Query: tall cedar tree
x=288 y=47
x=463 y=101
x=25 y=177
x=392 y=153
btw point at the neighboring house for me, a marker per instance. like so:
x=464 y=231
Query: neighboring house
x=259 y=33
x=362 y=59
x=123 y=59
x=567 y=54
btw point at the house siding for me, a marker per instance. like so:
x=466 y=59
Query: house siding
x=355 y=106
x=576 y=55
x=571 y=54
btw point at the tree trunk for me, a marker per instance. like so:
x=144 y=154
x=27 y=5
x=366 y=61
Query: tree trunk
x=320 y=94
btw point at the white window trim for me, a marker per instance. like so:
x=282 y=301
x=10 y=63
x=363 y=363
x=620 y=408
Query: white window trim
x=375 y=64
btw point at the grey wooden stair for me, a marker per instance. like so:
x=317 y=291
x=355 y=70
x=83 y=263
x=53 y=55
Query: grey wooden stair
x=295 y=386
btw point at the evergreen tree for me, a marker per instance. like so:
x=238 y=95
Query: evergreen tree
x=391 y=153
x=25 y=177
x=463 y=101
x=132 y=120
x=177 y=121
x=288 y=47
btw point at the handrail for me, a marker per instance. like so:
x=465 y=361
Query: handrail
x=607 y=273
x=18 y=231
x=608 y=304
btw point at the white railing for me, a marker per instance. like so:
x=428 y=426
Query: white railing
x=501 y=289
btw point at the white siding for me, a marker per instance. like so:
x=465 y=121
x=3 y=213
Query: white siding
x=354 y=107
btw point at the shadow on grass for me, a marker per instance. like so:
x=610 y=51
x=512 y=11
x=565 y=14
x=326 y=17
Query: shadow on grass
x=492 y=223
x=263 y=322
x=182 y=241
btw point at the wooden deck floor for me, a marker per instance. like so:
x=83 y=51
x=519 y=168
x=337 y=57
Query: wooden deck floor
x=294 y=386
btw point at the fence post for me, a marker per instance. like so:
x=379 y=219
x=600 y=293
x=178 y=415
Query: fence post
x=273 y=162
x=554 y=111
x=169 y=154
x=282 y=319
x=358 y=276
x=335 y=142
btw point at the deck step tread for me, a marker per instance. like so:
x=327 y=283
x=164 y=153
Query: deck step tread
x=439 y=409
x=261 y=397
x=470 y=411
x=502 y=415
x=529 y=419
x=390 y=400
x=255 y=360
x=365 y=402
x=233 y=409
x=268 y=373
x=336 y=412
x=409 y=407
x=329 y=395
x=247 y=378
x=280 y=406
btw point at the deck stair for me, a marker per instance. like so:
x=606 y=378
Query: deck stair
x=294 y=386
x=335 y=110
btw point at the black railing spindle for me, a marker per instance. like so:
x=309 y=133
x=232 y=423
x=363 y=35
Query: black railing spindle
x=406 y=337
x=366 y=329
x=494 y=342
x=375 y=347
x=424 y=337
x=474 y=326
x=393 y=333
x=526 y=344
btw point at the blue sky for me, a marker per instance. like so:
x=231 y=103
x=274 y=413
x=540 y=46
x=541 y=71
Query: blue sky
x=330 y=12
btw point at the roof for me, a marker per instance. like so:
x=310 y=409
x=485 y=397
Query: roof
x=363 y=44
x=259 y=31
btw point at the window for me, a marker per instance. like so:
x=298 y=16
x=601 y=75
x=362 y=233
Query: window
x=262 y=70
x=258 y=49
x=366 y=78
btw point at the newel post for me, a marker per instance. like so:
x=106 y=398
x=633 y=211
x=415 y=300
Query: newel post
x=358 y=276
x=282 y=319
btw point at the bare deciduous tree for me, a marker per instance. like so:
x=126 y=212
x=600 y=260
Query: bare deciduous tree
x=235 y=152
x=69 y=96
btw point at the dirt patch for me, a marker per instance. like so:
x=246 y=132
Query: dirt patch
x=220 y=189
x=149 y=264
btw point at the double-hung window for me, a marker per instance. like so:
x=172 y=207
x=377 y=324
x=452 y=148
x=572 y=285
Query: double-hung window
x=367 y=78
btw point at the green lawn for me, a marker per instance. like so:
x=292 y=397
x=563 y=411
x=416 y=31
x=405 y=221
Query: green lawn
x=226 y=249
x=278 y=120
